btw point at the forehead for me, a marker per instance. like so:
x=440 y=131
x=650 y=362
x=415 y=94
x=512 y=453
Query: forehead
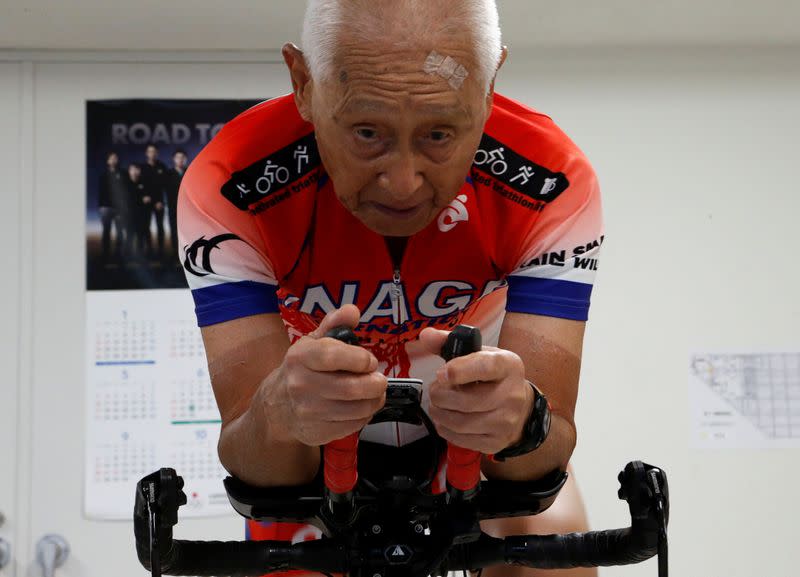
x=371 y=102
x=384 y=77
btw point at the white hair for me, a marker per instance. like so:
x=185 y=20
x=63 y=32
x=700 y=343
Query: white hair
x=430 y=20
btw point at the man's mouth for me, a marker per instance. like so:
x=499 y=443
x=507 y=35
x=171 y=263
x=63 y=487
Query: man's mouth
x=398 y=212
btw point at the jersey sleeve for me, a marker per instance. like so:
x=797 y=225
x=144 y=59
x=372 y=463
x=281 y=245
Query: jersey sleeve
x=557 y=262
x=227 y=269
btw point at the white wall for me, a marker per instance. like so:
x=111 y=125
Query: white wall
x=267 y=24
x=695 y=152
x=11 y=97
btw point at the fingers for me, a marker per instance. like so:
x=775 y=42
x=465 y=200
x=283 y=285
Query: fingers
x=329 y=355
x=342 y=411
x=332 y=388
x=479 y=401
x=474 y=441
x=346 y=387
x=472 y=423
x=433 y=340
x=487 y=432
x=347 y=316
x=329 y=406
x=490 y=364
x=468 y=398
x=319 y=353
x=316 y=433
x=474 y=383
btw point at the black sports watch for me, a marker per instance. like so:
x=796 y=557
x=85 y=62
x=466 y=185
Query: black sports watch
x=535 y=431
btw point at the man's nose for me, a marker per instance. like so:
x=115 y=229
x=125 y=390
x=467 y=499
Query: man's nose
x=401 y=177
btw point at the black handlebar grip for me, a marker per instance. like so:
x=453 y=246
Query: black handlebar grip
x=344 y=334
x=462 y=340
x=243 y=558
x=233 y=558
x=593 y=549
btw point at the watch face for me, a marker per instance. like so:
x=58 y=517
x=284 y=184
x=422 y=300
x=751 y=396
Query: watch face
x=545 y=424
x=542 y=411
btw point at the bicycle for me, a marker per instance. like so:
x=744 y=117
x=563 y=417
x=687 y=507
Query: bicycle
x=394 y=525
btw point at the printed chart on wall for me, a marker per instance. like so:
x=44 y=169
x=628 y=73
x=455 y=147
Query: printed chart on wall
x=745 y=400
x=149 y=399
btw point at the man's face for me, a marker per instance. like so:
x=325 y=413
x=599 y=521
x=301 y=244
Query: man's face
x=151 y=153
x=112 y=161
x=134 y=172
x=396 y=141
x=179 y=160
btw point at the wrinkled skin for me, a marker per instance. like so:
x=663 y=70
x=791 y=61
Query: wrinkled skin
x=397 y=142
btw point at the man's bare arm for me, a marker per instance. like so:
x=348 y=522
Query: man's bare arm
x=551 y=350
x=243 y=354
x=279 y=403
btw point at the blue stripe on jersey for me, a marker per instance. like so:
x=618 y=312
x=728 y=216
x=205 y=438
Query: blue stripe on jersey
x=548 y=297
x=229 y=301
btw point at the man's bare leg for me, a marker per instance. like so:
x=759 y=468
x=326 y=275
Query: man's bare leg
x=567 y=515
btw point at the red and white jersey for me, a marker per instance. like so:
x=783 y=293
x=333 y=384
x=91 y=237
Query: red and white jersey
x=263 y=232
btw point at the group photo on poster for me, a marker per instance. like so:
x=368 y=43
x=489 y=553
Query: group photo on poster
x=137 y=154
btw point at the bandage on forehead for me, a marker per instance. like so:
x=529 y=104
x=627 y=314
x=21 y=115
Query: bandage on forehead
x=447 y=68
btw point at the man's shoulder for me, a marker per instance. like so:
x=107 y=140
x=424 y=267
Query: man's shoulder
x=258 y=131
x=255 y=156
x=531 y=134
x=526 y=158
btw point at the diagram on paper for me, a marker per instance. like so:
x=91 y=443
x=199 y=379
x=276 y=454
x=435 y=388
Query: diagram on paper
x=745 y=400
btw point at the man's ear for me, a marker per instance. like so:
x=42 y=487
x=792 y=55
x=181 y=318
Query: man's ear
x=503 y=56
x=301 y=79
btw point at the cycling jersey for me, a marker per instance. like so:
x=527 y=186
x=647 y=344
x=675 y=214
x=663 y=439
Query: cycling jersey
x=263 y=232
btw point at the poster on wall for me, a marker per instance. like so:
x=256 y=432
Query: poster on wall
x=149 y=398
x=745 y=400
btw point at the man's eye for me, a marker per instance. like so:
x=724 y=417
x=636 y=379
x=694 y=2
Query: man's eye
x=366 y=133
x=439 y=136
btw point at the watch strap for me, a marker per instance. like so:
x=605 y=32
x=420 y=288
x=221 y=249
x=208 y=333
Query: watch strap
x=535 y=430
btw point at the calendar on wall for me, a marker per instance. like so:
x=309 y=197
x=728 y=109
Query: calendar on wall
x=149 y=402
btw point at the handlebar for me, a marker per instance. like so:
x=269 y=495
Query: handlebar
x=425 y=549
x=400 y=527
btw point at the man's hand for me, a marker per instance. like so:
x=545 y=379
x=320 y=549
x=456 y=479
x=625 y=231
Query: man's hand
x=479 y=401
x=325 y=389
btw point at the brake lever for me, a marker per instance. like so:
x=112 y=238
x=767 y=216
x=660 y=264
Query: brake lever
x=646 y=490
x=158 y=498
x=659 y=487
x=153 y=521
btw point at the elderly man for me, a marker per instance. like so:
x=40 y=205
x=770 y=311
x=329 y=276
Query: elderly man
x=393 y=192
